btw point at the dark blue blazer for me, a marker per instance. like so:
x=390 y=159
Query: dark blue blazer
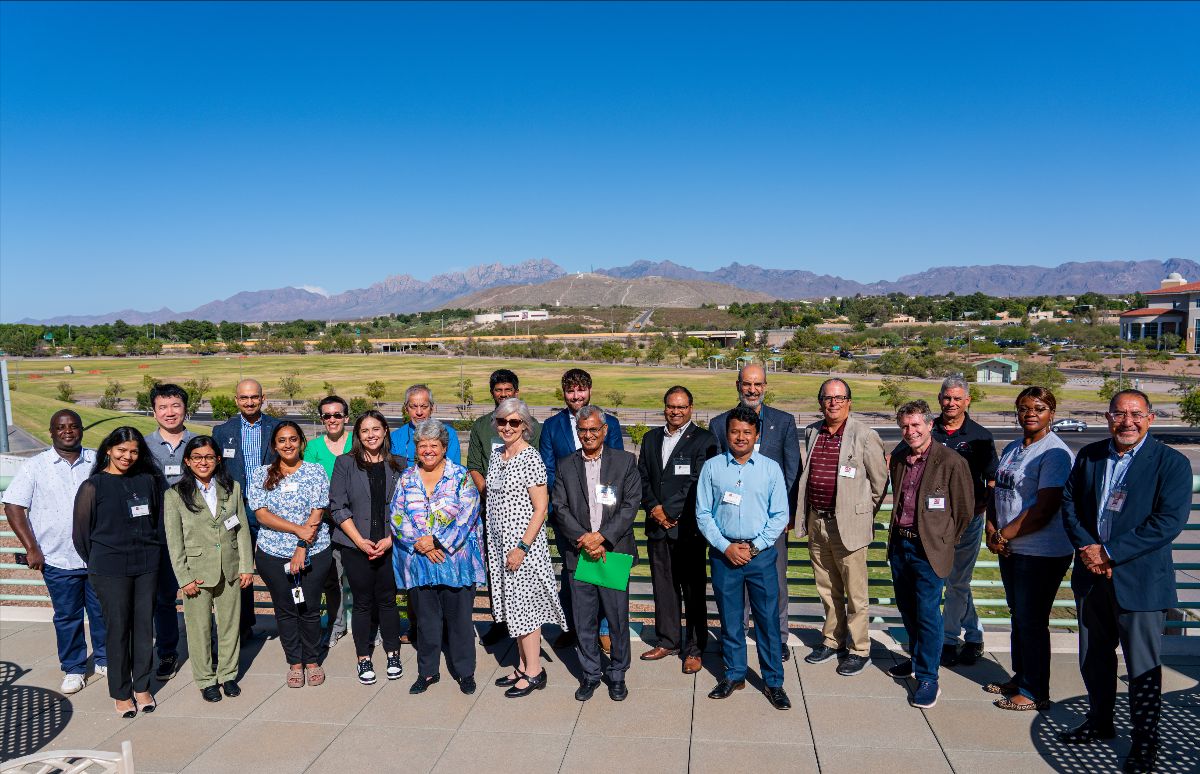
x=558 y=441
x=229 y=433
x=1158 y=503
x=778 y=440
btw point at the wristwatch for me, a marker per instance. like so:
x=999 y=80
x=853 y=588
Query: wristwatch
x=521 y=544
x=753 y=550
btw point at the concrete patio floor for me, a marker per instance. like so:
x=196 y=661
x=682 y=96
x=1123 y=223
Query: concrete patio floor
x=859 y=724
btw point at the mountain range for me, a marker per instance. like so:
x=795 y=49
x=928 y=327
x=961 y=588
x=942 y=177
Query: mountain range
x=605 y=290
x=403 y=293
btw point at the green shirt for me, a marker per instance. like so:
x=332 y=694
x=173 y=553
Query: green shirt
x=318 y=452
x=484 y=439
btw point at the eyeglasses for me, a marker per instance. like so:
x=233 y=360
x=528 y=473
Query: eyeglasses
x=334 y=415
x=245 y=398
x=591 y=430
x=419 y=406
x=510 y=422
x=1032 y=409
x=199 y=458
x=679 y=408
x=834 y=400
x=1136 y=416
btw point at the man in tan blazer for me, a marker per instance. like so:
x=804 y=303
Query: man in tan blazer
x=842 y=486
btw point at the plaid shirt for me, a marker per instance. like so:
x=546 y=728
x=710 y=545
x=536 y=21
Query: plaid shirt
x=252 y=441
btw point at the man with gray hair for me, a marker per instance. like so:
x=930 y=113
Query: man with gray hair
x=419 y=406
x=955 y=430
x=933 y=503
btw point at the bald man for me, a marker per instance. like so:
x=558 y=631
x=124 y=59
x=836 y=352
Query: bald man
x=245 y=442
x=777 y=440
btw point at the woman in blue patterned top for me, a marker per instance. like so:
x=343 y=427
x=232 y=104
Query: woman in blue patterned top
x=289 y=497
x=435 y=513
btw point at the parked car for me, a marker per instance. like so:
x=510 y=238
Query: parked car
x=1062 y=425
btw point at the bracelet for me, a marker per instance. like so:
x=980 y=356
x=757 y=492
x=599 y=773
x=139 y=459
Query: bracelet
x=521 y=544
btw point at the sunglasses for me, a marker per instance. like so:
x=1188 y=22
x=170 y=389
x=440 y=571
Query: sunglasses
x=336 y=415
x=510 y=422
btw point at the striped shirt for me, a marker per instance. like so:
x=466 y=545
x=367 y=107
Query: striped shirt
x=821 y=491
x=251 y=444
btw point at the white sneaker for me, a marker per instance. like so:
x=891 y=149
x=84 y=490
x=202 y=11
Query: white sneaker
x=72 y=684
x=100 y=671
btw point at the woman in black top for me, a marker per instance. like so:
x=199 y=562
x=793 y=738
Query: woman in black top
x=360 y=496
x=118 y=532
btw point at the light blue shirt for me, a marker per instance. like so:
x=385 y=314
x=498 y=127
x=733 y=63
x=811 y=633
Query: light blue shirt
x=1115 y=470
x=252 y=441
x=760 y=515
x=403 y=445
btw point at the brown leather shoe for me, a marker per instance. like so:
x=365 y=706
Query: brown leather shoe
x=606 y=644
x=691 y=665
x=656 y=654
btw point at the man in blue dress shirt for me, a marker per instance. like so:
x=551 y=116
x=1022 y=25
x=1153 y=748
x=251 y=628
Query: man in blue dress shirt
x=741 y=509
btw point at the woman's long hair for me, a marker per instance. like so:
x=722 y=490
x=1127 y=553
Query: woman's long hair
x=359 y=452
x=186 y=486
x=144 y=463
x=275 y=469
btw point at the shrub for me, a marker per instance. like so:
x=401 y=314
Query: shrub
x=223 y=406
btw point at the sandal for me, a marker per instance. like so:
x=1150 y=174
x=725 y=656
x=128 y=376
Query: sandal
x=295 y=677
x=316 y=675
x=1025 y=706
x=1004 y=689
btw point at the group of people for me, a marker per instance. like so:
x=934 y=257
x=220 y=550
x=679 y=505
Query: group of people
x=123 y=530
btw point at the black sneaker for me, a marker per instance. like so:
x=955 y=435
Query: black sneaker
x=168 y=667
x=901 y=671
x=949 y=655
x=970 y=653
x=852 y=664
x=366 y=672
x=821 y=654
x=395 y=670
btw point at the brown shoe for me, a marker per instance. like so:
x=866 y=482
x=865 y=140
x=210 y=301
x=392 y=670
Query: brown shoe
x=606 y=644
x=656 y=654
x=691 y=665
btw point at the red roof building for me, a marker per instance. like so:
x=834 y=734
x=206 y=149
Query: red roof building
x=1174 y=309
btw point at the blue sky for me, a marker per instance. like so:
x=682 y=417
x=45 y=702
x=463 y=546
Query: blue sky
x=172 y=154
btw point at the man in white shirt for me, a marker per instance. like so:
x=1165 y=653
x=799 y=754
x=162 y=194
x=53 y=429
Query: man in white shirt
x=39 y=505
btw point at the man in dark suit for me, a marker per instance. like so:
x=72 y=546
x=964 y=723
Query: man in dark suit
x=560 y=439
x=777 y=440
x=245 y=442
x=1126 y=501
x=596 y=497
x=669 y=465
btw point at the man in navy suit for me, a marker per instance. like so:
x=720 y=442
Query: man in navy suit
x=1126 y=501
x=779 y=441
x=560 y=438
x=245 y=442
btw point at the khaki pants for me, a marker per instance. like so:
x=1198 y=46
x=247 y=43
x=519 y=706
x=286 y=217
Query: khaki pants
x=841 y=578
x=226 y=598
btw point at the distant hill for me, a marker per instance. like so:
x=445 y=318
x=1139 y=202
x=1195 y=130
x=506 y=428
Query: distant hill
x=600 y=290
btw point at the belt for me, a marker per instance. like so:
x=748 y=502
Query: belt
x=820 y=514
x=911 y=534
x=739 y=541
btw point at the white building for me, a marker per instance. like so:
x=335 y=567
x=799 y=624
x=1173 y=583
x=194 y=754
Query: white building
x=521 y=315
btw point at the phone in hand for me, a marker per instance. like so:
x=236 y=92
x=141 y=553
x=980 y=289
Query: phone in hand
x=22 y=559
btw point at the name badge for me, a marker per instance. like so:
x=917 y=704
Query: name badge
x=605 y=494
x=298 y=595
x=139 y=510
x=497 y=444
x=936 y=503
x=231 y=522
x=847 y=471
x=229 y=452
x=731 y=498
x=290 y=486
x=173 y=470
x=1116 y=501
x=683 y=470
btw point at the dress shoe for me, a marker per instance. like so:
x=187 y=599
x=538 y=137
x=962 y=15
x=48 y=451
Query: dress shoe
x=657 y=654
x=509 y=680
x=211 y=693
x=168 y=667
x=725 y=689
x=691 y=665
x=970 y=653
x=901 y=671
x=422 y=683
x=231 y=688
x=605 y=642
x=1142 y=757
x=787 y=653
x=778 y=698
x=564 y=641
x=821 y=654
x=535 y=683
x=586 y=689
x=467 y=684
x=949 y=655
x=618 y=691
x=1086 y=733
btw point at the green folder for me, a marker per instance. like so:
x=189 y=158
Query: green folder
x=612 y=573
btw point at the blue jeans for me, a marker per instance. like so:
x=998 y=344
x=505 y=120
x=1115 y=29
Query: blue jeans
x=919 y=599
x=958 y=612
x=70 y=594
x=757 y=580
x=1030 y=584
x=166 y=617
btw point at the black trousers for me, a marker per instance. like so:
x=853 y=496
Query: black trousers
x=373 y=589
x=1102 y=626
x=679 y=575
x=590 y=602
x=128 y=606
x=248 y=614
x=444 y=622
x=1030 y=584
x=299 y=625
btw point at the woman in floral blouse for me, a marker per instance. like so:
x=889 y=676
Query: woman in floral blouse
x=435 y=514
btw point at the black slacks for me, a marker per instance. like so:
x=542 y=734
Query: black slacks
x=128 y=606
x=373 y=590
x=299 y=625
x=591 y=603
x=679 y=576
x=444 y=622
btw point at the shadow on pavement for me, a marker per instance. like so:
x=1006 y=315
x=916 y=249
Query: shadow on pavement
x=30 y=717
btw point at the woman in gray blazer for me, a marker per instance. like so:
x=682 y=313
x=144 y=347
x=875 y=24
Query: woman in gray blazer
x=360 y=492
